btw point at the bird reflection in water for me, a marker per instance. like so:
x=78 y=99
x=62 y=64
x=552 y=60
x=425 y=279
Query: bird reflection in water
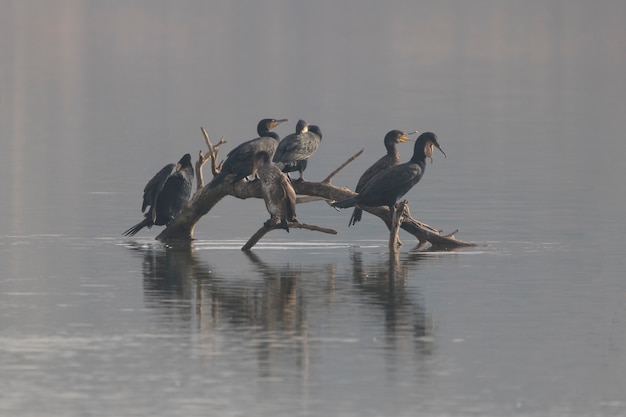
x=385 y=284
x=272 y=308
x=174 y=281
x=267 y=306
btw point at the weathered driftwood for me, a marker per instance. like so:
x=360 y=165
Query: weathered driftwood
x=205 y=199
x=422 y=231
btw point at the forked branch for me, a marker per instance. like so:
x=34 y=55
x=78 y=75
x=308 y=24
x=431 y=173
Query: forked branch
x=213 y=150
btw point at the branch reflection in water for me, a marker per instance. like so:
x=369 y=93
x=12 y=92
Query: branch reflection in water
x=283 y=311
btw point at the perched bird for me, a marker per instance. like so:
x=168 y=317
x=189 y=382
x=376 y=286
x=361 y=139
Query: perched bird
x=392 y=158
x=295 y=149
x=386 y=187
x=278 y=193
x=239 y=160
x=166 y=194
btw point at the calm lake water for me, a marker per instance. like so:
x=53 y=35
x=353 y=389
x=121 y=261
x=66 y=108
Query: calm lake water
x=528 y=101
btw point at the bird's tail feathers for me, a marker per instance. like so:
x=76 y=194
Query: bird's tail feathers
x=356 y=216
x=147 y=222
x=348 y=202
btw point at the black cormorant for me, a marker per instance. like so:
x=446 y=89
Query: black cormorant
x=295 y=149
x=239 y=160
x=386 y=187
x=166 y=194
x=278 y=193
x=390 y=159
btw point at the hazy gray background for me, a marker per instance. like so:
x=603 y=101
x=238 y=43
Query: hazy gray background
x=528 y=100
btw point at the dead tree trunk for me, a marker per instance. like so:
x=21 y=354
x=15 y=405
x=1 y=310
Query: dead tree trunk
x=205 y=199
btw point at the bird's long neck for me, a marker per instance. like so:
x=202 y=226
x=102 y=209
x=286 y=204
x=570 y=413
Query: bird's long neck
x=269 y=134
x=419 y=153
x=392 y=150
x=420 y=161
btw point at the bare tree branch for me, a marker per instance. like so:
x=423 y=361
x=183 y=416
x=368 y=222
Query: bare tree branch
x=292 y=225
x=202 y=158
x=342 y=166
x=213 y=150
x=308 y=199
x=421 y=231
x=396 y=221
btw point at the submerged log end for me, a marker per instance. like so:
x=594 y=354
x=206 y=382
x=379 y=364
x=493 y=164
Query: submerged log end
x=176 y=232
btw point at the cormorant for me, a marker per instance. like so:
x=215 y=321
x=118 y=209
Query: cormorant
x=386 y=187
x=390 y=159
x=295 y=149
x=278 y=193
x=166 y=194
x=239 y=160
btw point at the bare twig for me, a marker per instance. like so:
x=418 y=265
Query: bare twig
x=352 y=158
x=308 y=199
x=213 y=150
x=292 y=225
x=312 y=227
x=202 y=158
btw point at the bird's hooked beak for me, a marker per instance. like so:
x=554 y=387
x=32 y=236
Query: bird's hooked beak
x=430 y=151
x=277 y=122
x=439 y=147
x=404 y=138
